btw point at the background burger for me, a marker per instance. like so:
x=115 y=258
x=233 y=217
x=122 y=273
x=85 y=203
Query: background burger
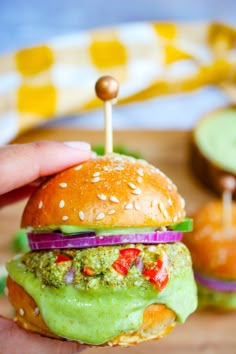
x=106 y=265
x=212 y=246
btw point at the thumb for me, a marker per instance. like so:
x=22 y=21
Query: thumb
x=16 y=340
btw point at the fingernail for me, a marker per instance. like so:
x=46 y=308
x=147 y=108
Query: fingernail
x=79 y=145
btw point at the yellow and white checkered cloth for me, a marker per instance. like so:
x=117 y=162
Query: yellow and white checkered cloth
x=149 y=59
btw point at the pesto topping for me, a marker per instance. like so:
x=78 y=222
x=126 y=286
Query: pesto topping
x=100 y=261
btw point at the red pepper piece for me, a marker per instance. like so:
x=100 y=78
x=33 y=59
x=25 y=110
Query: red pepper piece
x=125 y=260
x=88 y=271
x=62 y=258
x=157 y=274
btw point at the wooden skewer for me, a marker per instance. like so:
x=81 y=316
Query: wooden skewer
x=107 y=90
x=228 y=184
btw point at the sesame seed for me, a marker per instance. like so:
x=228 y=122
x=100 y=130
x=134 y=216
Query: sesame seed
x=65 y=217
x=106 y=168
x=96 y=174
x=36 y=311
x=139 y=179
x=95 y=179
x=159 y=172
x=132 y=185
x=169 y=201
x=100 y=216
x=165 y=213
x=63 y=185
x=101 y=196
x=111 y=212
x=131 y=159
x=114 y=199
x=136 y=205
x=119 y=168
x=162 y=208
x=182 y=202
x=136 y=191
x=118 y=158
x=179 y=214
x=140 y=172
x=21 y=312
x=77 y=168
x=81 y=215
x=40 y=204
x=154 y=203
x=128 y=206
x=169 y=187
x=61 y=204
x=175 y=218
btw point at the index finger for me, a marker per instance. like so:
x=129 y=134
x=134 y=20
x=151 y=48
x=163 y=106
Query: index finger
x=21 y=164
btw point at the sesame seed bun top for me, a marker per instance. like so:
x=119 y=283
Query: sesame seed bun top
x=212 y=245
x=105 y=192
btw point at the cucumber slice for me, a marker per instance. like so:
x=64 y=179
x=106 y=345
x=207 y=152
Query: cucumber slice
x=185 y=226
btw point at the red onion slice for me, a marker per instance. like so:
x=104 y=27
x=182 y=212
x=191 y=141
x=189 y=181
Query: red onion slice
x=44 y=240
x=215 y=284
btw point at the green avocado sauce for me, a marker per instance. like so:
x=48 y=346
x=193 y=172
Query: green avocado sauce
x=212 y=298
x=67 y=229
x=216 y=138
x=184 y=225
x=73 y=229
x=96 y=315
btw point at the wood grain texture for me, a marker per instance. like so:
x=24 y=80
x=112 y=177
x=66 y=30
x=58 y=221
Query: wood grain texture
x=205 y=332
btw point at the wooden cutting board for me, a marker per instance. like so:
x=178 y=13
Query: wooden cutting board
x=205 y=332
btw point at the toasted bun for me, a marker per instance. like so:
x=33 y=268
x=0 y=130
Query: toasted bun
x=158 y=320
x=212 y=245
x=103 y=192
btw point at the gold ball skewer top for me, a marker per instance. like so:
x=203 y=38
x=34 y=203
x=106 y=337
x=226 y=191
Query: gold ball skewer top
x=228 y=185
x=107 y=88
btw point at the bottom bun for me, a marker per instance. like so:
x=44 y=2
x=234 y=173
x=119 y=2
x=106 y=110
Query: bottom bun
x=158 y=320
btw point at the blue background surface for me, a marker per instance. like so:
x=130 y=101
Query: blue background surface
x=25 y=22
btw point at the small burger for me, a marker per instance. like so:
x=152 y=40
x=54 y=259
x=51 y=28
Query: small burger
x=212 y=246
x=106 y=265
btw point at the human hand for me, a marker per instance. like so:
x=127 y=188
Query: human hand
x=21 y=167
x=14 y=340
